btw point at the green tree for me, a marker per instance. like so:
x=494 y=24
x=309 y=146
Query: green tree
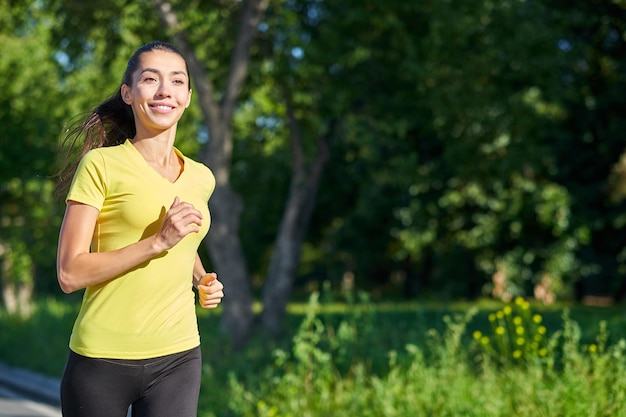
x=29 y=105
x=443 y=174
x=589 y=142
x=483 y=202
x=438 y=143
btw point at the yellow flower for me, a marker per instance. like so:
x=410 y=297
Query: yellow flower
x=507 y=310
x=500 y=315
x=537 y=318
x=541 y=330
x=521 y=303
x=593 y=348
x=543 y=352
x=500 y=330
x=520 y=341
x=517 y=354
x=477 y=334
x=517 y=320
x=484 y=340
x=492 y=317
x=519 y=330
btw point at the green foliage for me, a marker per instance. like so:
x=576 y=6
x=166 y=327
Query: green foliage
x=517 y=336
x=596 y=54
x=38 y=342
x=438 y=379
x=472 y=138
x=377 y=360
x=29 y=105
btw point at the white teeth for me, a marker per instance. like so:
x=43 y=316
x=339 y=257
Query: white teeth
x=163 y=107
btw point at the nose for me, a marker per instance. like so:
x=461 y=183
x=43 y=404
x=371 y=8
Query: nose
x=163 y=90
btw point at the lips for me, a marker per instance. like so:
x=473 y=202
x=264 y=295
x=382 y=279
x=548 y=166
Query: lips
x=162 y=107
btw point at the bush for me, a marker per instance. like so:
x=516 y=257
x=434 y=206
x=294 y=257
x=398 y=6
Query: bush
x=516 y=370
x=379 y=360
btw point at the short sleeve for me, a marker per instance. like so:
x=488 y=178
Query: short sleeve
x=89 y=182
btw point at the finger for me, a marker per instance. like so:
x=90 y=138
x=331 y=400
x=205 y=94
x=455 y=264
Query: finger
x=208 y=279
x=211 y=290
x=217 y=295
x=211 y=302
x=208 y=295
x=182 y=209
x=190 y=221
x=181 y=217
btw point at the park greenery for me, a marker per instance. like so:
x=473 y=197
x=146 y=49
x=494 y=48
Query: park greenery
x=352 y=357
x=411 y=148
x=414 y=151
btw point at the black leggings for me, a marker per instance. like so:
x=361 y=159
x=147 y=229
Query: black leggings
x=167 y=386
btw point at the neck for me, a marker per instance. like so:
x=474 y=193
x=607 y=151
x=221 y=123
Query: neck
x=155 y=148
x=158 y=150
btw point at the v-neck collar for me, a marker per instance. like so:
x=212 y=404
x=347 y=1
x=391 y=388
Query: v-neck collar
x=147 y=166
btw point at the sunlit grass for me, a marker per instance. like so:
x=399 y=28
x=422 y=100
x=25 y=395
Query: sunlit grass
x=499 y=373
x=38 y=342
x=386 y=359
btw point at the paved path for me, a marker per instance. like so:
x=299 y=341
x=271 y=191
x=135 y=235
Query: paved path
x=13 y=404
x=26 y=394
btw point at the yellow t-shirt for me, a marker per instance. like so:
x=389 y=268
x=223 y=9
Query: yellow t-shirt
x=148 y=311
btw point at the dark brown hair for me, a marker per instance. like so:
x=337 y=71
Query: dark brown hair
x=109 y=124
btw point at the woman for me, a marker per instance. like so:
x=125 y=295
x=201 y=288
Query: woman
x=137 y=210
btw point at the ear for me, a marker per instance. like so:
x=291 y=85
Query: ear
x=125 y=93
x=188 y=100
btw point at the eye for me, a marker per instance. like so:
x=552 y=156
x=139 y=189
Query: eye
x=179 y=82
x=149 y=79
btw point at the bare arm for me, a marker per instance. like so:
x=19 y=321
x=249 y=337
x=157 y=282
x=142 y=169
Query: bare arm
x=198 y=271
x=78 y=268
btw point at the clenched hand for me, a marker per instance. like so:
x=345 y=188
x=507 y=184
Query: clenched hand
x=210 y=291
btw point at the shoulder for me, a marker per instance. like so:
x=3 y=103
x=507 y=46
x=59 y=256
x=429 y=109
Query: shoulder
x=197 y=167
x=202 y=173
x=110 y=151
x=116 y=158
x=93 y=158
x=91 y=181
x=199 y=175
x=100 y=155
x=101 y=162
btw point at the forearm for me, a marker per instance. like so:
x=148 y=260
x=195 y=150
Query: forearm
x=78 y=267
x=90 y=268
x=198 y=271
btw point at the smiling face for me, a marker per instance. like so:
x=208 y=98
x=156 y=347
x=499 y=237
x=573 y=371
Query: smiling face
x=159 y=92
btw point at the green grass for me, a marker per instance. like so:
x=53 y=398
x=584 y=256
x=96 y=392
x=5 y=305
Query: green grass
x=387 y=359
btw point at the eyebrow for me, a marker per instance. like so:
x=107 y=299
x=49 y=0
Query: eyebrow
x=159 y=72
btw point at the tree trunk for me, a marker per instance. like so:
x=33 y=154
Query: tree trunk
x=9 y=298
x=303 y=188
x=227 y=255
x=226 y=205
x=17 y=284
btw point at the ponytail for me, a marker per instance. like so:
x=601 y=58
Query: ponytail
x=110 y=124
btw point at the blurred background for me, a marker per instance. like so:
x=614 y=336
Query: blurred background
x=410 y=150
